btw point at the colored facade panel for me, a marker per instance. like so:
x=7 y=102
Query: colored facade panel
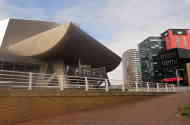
x=177 y=38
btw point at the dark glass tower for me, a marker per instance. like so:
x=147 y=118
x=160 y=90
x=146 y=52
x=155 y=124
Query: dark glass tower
x=148 y=49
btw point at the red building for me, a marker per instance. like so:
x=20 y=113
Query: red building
x=177 y=38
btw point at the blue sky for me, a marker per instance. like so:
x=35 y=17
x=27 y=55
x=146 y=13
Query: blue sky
x=50 y=10
x=118 y=24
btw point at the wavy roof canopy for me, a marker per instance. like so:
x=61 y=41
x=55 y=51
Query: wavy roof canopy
x=68 y=43
x=19 y=29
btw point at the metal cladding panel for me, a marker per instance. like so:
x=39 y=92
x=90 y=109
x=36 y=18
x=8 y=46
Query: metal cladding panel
x=131 y=66
x=18 y=30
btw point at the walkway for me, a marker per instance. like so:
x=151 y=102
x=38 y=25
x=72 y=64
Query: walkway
x=157 y=111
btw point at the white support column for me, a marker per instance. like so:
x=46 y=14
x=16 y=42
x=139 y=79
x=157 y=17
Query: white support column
x=157 y=87
x=148 y=87
x=86 y=84
x=59 y=69
x=106 y=85
x=136 y=86
x=30 y=81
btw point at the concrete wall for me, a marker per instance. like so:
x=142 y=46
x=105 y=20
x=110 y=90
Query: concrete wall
x=18 y=106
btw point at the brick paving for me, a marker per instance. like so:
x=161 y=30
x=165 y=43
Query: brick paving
x=157 y=111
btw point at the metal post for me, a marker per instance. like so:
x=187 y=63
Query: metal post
x=30 y=81
x=86 y=84
x=106 y=85
x=136 y=86
x=157 y=87
x=148 y=87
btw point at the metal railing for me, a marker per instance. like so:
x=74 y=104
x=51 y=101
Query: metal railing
x=30 y=81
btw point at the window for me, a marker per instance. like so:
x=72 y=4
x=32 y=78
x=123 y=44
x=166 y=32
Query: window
x=7 y=66
x=19 y=67
x=179 y=32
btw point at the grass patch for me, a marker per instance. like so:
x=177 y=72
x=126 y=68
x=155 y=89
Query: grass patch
x=185 y=110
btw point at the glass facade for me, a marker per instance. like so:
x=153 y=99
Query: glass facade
x=86 y=71
x=172 y=65
x=12 y=66
x=148 y=50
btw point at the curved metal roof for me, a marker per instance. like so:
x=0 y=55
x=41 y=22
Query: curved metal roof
x=68 y=43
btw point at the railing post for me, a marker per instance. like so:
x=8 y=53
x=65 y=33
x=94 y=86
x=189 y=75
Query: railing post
x=157 y=87
x=30 y=81
x=166 y=87
x=173 y=88
x=136 y=86
x=62 y=82
x=123 y=87
x=106 y=85
x=148 y=87
x=86 y=84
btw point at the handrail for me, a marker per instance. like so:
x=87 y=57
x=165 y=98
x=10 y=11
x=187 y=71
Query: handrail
x=30 y=80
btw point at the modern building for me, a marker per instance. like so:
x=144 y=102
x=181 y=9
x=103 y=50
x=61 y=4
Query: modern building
x=49 y=47
x=165 y=58
x=131 y=66
x=148 y=49
x=173 y=61
x=172 y=66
